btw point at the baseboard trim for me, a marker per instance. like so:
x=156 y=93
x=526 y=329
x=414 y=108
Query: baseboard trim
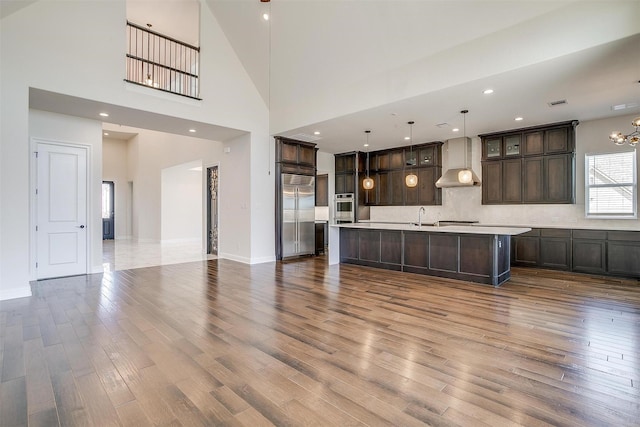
x=246 y=260
x=263 y=260
x=14 y=293
x=237 y=258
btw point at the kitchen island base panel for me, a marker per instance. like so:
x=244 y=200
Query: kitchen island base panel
x=476 y=258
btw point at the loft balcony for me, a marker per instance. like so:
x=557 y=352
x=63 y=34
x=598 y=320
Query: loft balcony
x=161 y=62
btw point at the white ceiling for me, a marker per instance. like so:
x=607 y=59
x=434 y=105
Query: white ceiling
x=343 y=66
x=322 y=51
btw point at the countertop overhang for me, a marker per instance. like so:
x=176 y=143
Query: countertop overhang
x=456 y=229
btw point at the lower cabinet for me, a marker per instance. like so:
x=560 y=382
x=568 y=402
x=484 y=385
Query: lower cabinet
x=374 y=248
x=320 y=237
x=623 y=253
x=589 y=251
x=526 y=248
x=615 y=253
x=472 y=257
x=555 y=249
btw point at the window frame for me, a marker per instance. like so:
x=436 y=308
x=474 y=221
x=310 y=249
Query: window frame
x=588 y=187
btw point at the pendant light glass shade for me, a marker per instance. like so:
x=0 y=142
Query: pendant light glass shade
x=411 y=180
x=465 y=176
x=367 y=183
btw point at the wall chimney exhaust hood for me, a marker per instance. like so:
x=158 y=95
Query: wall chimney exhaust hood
x=458 y=150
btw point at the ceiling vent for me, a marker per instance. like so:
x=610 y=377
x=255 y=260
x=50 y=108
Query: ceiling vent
x=624 y=106
x=556 y=103
x=305 y=137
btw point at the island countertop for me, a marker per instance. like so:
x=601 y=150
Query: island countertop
x=457 y=229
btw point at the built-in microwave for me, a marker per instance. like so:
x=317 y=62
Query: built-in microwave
x=344 y=208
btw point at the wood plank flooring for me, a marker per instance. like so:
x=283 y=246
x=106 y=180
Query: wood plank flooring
x=301 y=343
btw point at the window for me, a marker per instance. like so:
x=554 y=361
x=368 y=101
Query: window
x=611 y=185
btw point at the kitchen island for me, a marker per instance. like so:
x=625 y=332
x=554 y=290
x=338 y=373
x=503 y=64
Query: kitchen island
x=473 y=253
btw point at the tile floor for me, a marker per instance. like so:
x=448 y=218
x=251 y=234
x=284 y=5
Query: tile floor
x=124 y=254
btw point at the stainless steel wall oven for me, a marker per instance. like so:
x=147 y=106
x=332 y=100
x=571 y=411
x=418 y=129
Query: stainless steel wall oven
x=344 y=208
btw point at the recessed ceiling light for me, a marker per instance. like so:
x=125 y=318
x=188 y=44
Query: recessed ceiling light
x=265 y=16
x=366 y=145
x=487 y=91
x=519 y=119
x=406 y=138
x=455 y=130
x=106 y=134
x=104 y=114
x=192 y=130
x=317 y=132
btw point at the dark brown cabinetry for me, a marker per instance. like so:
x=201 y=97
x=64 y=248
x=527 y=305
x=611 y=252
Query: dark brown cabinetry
x=473 y=257
x=623 y=253
x=322 y=190
x=320 y=232
x=388 y=169
x=545 y=248
x=555 y=249
x=295 y=156
x=531 y=165
x=526 y=248
x=373 y=248
x=588 y=251
x=345 y=173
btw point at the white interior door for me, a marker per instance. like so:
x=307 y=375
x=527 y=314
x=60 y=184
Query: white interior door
x=61 y=210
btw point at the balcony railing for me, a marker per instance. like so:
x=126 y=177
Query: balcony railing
x=163 y=63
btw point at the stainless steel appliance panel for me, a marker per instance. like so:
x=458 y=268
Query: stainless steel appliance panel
x=344 y=205
x=298 y=203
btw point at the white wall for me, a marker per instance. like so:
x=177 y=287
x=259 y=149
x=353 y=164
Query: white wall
x=182 y=202
x=466 y=203
x=74 y=130
x=39 y=48
x=114 y=168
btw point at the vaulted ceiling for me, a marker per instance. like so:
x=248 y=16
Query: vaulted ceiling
x=340 y=67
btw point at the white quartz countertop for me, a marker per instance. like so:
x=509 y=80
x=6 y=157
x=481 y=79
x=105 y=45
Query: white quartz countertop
x=459 y=229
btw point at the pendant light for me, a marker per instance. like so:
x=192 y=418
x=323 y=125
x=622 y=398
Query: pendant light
x=632 y=139
x=465 y=176
x=411 y=179
x=367 y=183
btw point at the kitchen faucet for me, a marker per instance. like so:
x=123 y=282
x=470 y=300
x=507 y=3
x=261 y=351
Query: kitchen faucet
x=421 y=211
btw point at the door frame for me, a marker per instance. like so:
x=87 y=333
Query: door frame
x=113 y=209
x=33 y=204
x=205 y=206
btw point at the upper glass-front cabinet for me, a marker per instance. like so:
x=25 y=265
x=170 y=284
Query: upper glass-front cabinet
x=493 y=148
x=512 y=145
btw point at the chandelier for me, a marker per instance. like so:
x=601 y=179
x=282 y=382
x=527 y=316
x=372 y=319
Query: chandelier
x=632 y=139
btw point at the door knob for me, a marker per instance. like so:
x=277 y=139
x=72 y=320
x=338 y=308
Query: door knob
x=80 y=226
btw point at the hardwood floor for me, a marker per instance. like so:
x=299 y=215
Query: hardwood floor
x=300 y=343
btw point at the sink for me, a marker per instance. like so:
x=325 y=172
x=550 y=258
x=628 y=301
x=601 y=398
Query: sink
x=425 y=224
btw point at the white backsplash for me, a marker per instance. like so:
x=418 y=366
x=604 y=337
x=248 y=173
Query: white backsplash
x=322 y=213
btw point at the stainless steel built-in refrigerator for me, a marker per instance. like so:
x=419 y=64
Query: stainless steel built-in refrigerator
x=298 y=215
